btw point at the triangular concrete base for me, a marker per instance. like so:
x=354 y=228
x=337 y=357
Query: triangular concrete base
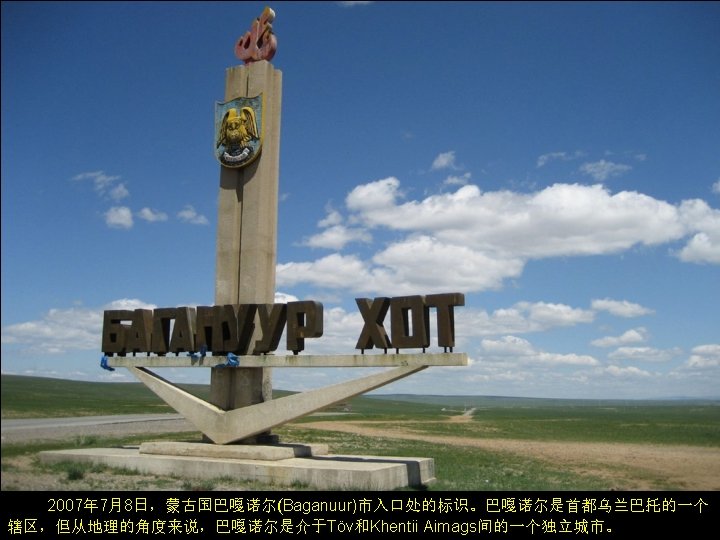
x=277 y=464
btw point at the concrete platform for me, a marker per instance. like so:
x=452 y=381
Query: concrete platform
x=267 y=464
x=238 y=451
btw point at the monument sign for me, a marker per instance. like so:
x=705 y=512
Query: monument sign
x=237 y=336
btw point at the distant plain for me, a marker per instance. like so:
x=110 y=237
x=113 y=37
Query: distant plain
x=478 y=442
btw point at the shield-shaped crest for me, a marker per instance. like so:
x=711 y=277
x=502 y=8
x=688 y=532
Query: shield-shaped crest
x=239 y=131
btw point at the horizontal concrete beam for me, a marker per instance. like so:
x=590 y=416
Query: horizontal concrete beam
x=300 y=360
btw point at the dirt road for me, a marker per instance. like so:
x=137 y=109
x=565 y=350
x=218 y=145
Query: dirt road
x=691 y=467
x=45 y=429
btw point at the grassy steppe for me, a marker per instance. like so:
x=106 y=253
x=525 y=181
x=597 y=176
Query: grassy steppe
x=40 y=397
x=460 y=467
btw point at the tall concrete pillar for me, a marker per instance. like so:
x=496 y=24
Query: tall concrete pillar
x=247 y=231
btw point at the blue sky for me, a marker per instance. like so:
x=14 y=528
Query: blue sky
x=558 y=163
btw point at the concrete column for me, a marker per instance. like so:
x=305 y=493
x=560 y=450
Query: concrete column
x=247 y=231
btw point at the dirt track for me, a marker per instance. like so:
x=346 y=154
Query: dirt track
x=47 y=429
x=625 y=466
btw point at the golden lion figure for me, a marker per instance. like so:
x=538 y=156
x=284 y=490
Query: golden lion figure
x=236 y=131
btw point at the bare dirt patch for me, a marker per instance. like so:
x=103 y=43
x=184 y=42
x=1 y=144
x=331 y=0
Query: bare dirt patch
x=625 y=466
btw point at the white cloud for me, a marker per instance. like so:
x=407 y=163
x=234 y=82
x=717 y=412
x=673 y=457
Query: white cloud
x=636 y=335
x=512 y=348
x=716 y=187
x=560 y=220
x=128 y=303
x=546 y=158
x=422 y=263
x=100 y=180
x=704 y=245
x=702 y=248
x=630 y=371
x=602 y=170
x=645 y=354
x=521 y=318
x=548 y=315
x=119 y=192
x=479 y=239
x=190 y=215
x=63 y=330
x=151 y=215
x=620 y=308
x=563 y=156
x=334 y=271
x=454 y=180
x=508 y=346
x=697 y=215
x=337 y=236
x=380 y=195
x=284 y=298
x=705 y=356
x=445 y=160
x=403 y=268
x=105 y=184
x=119 y=217
x=333 y=218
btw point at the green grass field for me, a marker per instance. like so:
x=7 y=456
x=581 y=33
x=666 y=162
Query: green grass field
x=40 y=397
x=694 y=422
x=661 y=422
x=460 y=467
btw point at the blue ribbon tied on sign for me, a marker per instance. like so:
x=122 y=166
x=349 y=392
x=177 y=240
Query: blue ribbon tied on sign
x=104 y=363
x=203 y=353
x=232 y=361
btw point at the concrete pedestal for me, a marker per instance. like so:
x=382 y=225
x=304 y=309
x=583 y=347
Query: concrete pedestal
x=282 y=464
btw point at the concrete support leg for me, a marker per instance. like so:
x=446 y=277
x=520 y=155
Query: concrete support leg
x=224 y=427
x=240 y=387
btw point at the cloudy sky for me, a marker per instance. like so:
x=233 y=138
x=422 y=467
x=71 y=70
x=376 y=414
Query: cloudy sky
x=557 y=163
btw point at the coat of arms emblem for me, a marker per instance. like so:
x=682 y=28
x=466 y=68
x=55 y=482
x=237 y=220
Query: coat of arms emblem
x=238 y=131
